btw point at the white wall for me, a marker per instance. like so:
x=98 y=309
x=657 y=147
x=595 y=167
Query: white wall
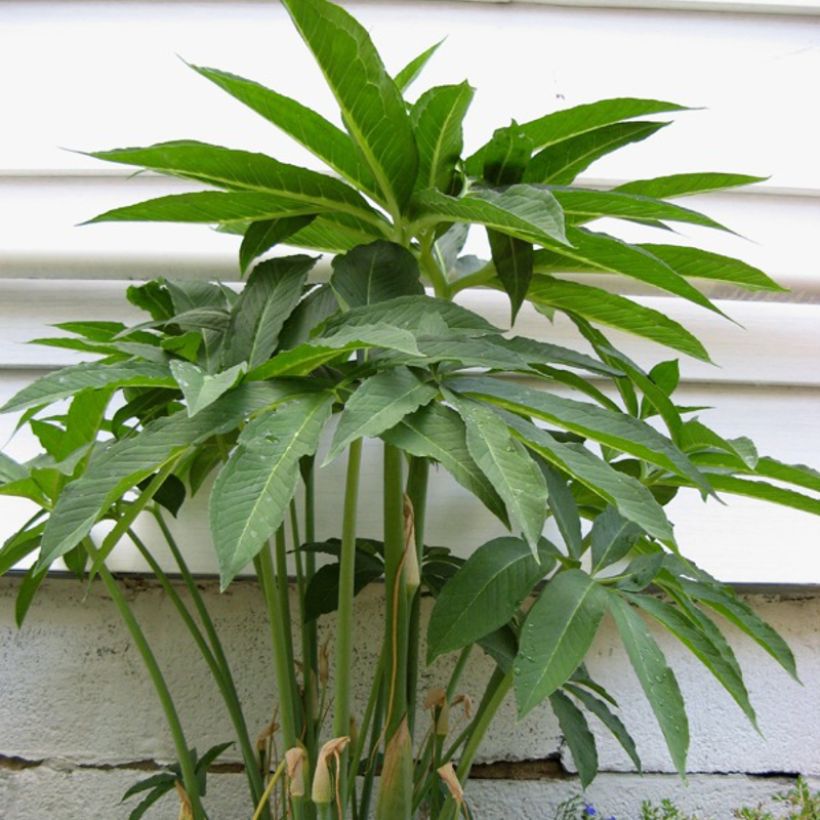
x=89 y=75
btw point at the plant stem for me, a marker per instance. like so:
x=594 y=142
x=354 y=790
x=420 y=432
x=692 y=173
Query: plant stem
x=417 y=479
x=262 y=808
x=344 y=621
x=458 y=669
x=283 y=595
x=430 y=267
x=186 y=762
x=482 y=276
x=219 y=671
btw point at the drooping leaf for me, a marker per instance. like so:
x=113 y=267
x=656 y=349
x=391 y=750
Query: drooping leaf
x=561 y=163
x=509 y=467
x=618 y=430
x=315 y=308
x=486 y=592
x=308 y=128
x=90 y=375
x=437 y=432
x=611 y=538
x=513 y=261
x=375 y=273
x=656 y=678
x=601 y=710
x=577 y=735
x=616 y=311
x=274 y=289
x=371 y=105
x=725 y=671
x=26 y=592
x=524 y=211
x=437 y=117
x=378 y=404
x=120 y=465
x=253 y=490
x=556 y=636
x=564 y=509
x=412 y=70
x=203 y=389
x=260 y=237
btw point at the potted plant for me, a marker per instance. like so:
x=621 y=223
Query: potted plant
x=261 y=388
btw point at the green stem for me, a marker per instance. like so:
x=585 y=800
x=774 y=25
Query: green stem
x=186 y=762
x=344 y=622
x=483 y=276
x=458 y=669
x=430 y=267
x=219 y=671
x=369 y=712
x=375 y=740
x=417 y=479
x=283 y=596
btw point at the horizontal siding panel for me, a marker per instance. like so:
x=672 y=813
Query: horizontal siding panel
x=97 y=88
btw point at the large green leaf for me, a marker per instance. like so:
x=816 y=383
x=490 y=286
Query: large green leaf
x=724 y=669
x=314 y=132
x=701 y=264
x=632 y=499
x=564 y=509
x=274 y=289
x=202 y=389
x=510 y=468
x=318 y=305
x=616 y=311
x=379 y=403
x=306 y=357
x=120 y=465
x=486 y=592
x=437 y=117
x=559 y=164
x=246 y=171
x=561 y=125
x=685 y=184
x=611 y=538
x=798 y=474
x=525 y=211
x=513 y=261
x=371 y=105
x=10 y=470
x=583 y=205
x=556 y=636
x=437 y=432
x=90 y=375
x=210 y=206
x=618 y=430
x=576 y=732
x=334 y=233
x=262 y=236
x=375 y=273
x=322 y=592
x=253 y=490
x=656 y=678
x=411 y=71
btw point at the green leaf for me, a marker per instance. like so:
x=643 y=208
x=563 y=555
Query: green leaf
x=561 y=163
x=26 y=591
x=152 y=297
x=617 y=430
x=577 y=735
x=535 y=352
x=334 y=233
x=797 y=474
x=556 y=636
x=202 y=389
x=700 y=264
x=564 y=509
x=89 y=375
x=610 y=309
x=315 y=308
x=274 y=289
x=513 y=261
x=19 y=546
x=437 y=432
x=726 y=604
x=253 y=490
x=612 y=722
x=561 y=125
x=375 y=273
x=412 y=70
x=611 y=538
x=724 y=669
x=371 y=105
x=246 y=171
x=10 y=470
x=632 y=499
x=379 y=403
x=322 y=593
x=485 y=593
x=509 y=467
x=320 y=137
x=686 y=184
x=656 y=678
x=120 y=465
x=306 y=357
x=524 y=211
x=437 y=120
x=262 y=236
x=584 y=205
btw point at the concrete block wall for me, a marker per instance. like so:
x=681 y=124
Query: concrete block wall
x=80 y=722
